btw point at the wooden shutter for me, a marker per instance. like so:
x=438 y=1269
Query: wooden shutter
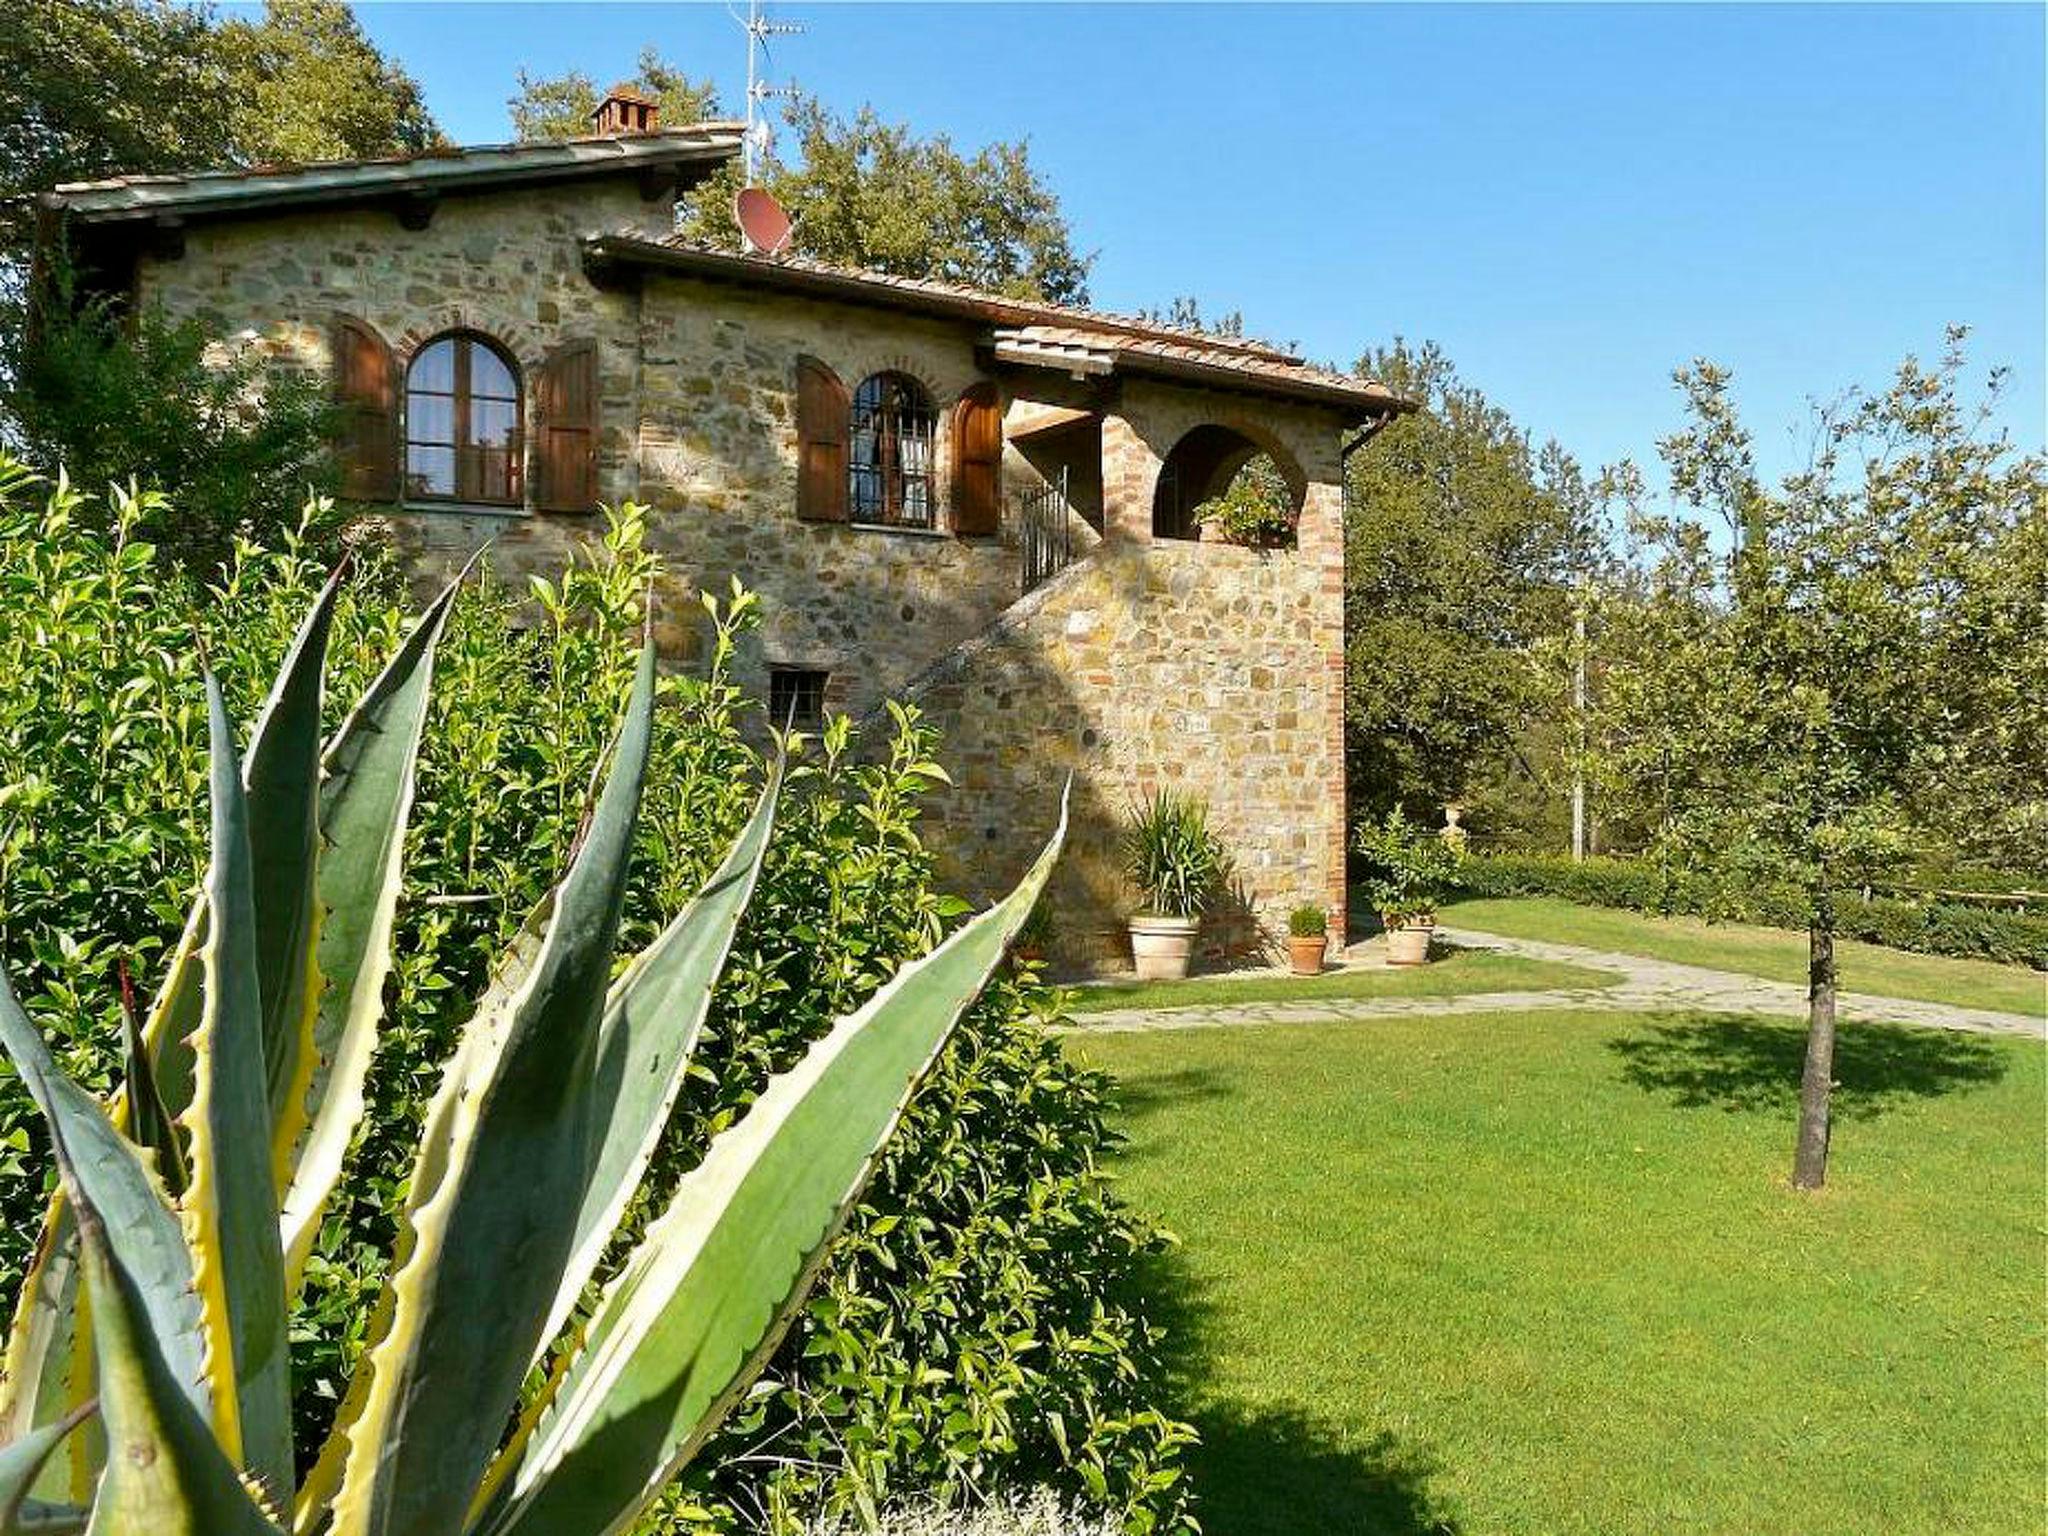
x=822 y=409
x=978 y=462
x=567 y=398
x=366 y=391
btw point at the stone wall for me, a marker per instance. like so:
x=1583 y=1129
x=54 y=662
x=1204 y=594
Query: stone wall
x=870 y=606
x=1147 y=663
x=508 y=264
x=1205 y=667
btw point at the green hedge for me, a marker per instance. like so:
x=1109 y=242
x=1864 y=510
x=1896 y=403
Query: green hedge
x=978 y=1325
x=1928 y=928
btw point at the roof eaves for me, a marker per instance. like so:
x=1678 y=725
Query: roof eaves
x=1002 y=308
x=129 y=197
x=1134 y=346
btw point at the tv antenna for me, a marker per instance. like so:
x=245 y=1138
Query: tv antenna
x=759 y=29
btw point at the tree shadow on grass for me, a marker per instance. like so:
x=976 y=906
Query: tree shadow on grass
x=1140 y=1099
x=1744 y=1065
x=1278 y=1469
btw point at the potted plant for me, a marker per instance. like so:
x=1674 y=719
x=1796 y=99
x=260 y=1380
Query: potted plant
x=1176 y=863
x=1252 y=511
x=1308 y=937
x=1414 y=868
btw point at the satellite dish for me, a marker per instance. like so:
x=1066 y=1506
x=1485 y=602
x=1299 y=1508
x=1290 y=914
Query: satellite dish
x=763 y=224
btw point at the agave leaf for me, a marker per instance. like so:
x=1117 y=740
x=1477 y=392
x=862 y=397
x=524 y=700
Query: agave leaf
x=651 y=1022
x=38 y=1370
x=318 y=1487
x=165 y=1475
x=150 y=1124
x=40 y=1517
x=701 y=1304
x=282 y=780
x=21 y=1465
x=491 y=1214
x=146 y=1236
x=230 y=1203
x=364 y=807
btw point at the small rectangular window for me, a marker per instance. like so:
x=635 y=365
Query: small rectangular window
x=796 y=696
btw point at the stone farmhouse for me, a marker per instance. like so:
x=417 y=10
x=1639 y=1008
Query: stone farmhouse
x=973 y=503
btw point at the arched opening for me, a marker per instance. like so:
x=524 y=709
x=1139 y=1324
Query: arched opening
x=1243 y=489
x=889 y=463
x=462 y=422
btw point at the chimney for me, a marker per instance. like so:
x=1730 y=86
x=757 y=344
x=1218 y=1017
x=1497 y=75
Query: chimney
x=627 y=110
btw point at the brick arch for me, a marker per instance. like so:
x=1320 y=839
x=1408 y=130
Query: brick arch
x=1203 y=460
x=518 y=340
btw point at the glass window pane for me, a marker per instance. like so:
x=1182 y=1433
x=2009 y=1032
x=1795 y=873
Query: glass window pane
x=430 y=418
x=493 y=474
x=492 y=421
x=429 y=471
x=434 y=368
x=488 y=374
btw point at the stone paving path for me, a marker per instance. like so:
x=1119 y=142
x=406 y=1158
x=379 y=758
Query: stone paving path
x=1646 y=985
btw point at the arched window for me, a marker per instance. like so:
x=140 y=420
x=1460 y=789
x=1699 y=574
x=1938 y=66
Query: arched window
x=462 y=422
x=889 y=468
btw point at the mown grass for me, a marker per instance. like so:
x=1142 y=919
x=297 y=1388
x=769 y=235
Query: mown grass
x=1450 y=972
x=1542 y=1273
x=1778 y=954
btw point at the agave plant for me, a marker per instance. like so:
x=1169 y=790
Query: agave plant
x=148 y=1388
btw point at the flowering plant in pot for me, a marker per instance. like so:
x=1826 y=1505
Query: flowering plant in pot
x=1414 y=868
x=1308 y=938
x=1176 y=863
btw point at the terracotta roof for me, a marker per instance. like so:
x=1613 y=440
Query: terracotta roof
x=1028 y=332
x=429 y=171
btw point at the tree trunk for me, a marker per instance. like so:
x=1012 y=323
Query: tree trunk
x=1810 y=1162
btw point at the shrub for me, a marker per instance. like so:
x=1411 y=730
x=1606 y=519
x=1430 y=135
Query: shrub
x=977 y=1322
x=1038 y=1514
x=113 y=397
x=1172 y=857
x=1308 y=922
x=1932 y=927
x=1410 y=868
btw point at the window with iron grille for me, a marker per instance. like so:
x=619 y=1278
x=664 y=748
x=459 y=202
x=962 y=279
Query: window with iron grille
x=889 y=473
x=796 y=697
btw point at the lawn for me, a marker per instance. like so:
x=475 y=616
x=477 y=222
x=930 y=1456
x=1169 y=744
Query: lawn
x=1450 y=973
x=1542 y=1273
x=1776 y=953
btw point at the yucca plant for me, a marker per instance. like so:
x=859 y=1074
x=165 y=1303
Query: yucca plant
x=147 y=1388
x=1172 y=856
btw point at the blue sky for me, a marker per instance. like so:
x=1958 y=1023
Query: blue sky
x=1573 y=200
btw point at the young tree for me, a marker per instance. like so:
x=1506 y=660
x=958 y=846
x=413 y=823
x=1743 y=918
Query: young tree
x=1787 y=688
x=112 y=398
x=1462 y=542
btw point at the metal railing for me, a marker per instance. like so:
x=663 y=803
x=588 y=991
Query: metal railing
x=1043 y=537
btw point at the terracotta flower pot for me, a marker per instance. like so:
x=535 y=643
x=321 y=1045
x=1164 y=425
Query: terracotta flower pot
x=1307 y=953
x=1408 y=942
x=1162 y=946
